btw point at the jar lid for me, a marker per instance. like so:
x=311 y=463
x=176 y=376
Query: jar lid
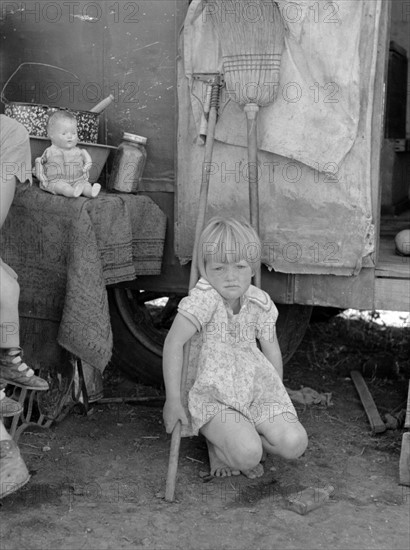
x=134 y=138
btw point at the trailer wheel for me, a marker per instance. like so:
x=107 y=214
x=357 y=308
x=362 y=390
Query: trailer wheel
x=140 y=321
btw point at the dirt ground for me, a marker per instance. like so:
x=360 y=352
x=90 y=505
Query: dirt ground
x=98 y=480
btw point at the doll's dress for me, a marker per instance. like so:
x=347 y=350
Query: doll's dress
x=231 y=372
x=61 y=166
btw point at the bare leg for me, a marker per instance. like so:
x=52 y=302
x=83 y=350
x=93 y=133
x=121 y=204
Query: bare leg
x=283 y=435
x=234 y=445
x=9 y=316
x=217 y=466
x=7 y=190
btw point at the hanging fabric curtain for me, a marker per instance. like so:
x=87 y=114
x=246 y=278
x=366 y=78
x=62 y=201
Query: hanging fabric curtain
x=314 y=140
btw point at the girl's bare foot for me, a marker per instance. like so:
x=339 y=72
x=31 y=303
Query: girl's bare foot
x=217 y=467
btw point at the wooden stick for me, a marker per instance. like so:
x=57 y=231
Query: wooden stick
x=103 y=104
x=147 y=399
x=377 y=424
x=203 y=199
x=251 y=110
x=407 y=419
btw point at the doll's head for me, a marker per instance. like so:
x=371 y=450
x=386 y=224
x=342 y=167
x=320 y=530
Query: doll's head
x=62 y=130
x=227 y=241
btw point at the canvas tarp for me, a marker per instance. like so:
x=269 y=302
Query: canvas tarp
x=314 y=140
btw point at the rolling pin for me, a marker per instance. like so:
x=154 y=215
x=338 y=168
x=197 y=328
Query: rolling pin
x=103 y=104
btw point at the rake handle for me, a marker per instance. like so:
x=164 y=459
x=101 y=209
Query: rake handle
x=200 y=222
x=251 y=111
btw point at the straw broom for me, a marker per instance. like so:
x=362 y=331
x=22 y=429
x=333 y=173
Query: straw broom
x=251 y=35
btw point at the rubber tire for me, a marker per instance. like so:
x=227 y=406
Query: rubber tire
x=144 y=365
x=322 y=314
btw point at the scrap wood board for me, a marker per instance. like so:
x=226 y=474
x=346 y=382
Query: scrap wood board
x=404 y=465
x=377 y=424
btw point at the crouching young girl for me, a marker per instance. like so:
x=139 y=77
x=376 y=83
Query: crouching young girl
x=235 y=395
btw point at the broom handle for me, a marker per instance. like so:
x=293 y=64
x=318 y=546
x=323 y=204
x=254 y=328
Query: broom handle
x=251 y=111
x=200 y=222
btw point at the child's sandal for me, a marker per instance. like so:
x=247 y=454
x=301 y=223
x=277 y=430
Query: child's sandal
x=14 y=371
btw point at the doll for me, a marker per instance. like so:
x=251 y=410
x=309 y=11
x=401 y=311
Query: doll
x=63 y=168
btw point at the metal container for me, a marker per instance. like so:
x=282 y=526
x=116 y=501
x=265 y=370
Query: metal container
x=34 y=118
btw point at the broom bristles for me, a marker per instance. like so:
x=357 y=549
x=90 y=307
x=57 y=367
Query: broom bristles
x=251 y=35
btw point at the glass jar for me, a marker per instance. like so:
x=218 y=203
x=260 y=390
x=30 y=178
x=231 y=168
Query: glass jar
x=129 y=163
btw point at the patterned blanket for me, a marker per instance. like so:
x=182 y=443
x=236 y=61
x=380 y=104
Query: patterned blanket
x=65 y=251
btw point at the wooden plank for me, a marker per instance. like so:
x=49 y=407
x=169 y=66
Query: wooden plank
x=404 y=465
x=407 y=419
x=391 y=225
x=390 y=264
x=392 y=294
x=343 y=292
x=377 y=424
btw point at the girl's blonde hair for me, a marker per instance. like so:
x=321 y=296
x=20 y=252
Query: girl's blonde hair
x=228 y=240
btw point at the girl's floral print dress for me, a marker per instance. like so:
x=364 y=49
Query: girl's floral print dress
x=228 y=374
